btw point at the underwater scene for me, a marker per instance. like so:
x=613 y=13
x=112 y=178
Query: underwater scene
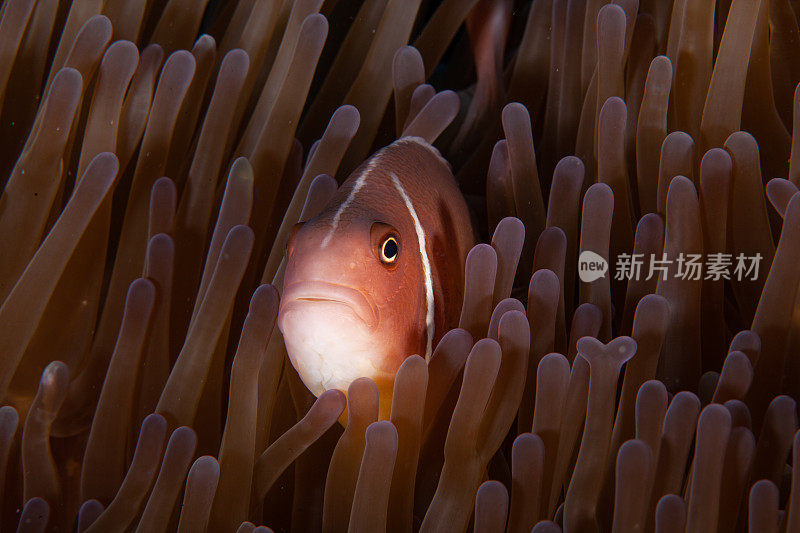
x=400 y=265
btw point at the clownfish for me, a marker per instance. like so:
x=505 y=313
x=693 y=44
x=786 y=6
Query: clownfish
x=378 y=275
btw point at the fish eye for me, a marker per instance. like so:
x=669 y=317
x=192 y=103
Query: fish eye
x=385 y=244
x=388 y=250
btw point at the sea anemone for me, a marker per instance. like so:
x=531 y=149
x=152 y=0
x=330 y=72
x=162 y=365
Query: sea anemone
x=156 y=155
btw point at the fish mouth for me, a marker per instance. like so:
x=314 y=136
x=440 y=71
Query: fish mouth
x=325 y=292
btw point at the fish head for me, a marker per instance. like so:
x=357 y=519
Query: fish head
x=351 y=305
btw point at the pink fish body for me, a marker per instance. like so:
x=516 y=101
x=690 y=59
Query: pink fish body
x=377 y=276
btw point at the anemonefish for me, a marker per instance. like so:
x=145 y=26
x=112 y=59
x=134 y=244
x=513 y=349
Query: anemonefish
x=378 y=275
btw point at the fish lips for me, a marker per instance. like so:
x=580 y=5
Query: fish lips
x=310 y=292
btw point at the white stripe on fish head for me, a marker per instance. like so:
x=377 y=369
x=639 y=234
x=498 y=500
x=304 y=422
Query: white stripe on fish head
x=371 y=165
x=426 y=265
x=412 y=139
x=350 y=197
